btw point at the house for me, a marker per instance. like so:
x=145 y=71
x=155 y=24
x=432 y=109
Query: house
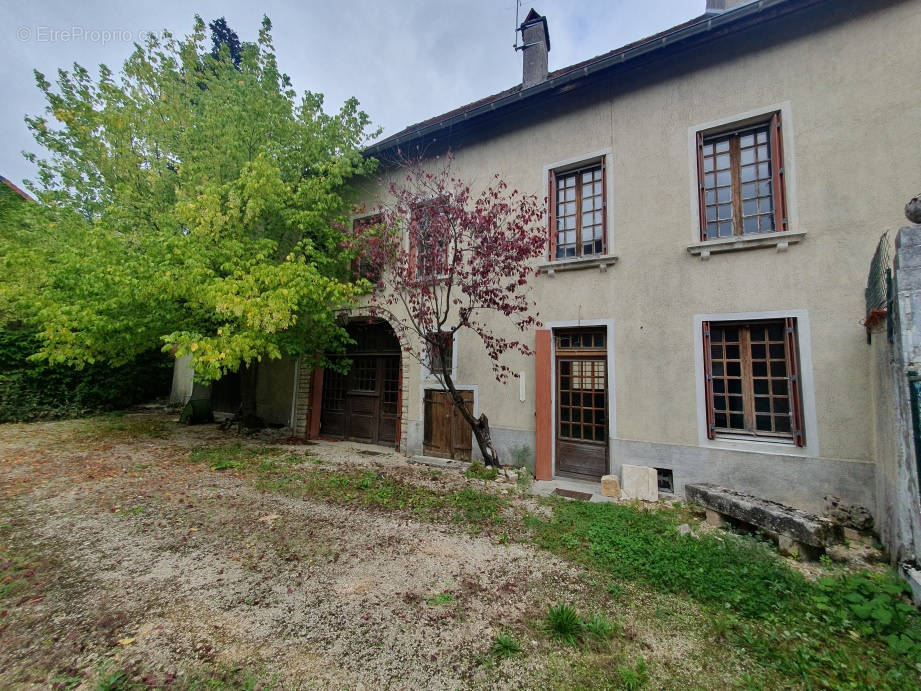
x=715 y=194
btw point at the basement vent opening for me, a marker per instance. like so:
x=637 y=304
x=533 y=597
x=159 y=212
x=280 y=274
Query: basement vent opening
x=666 y=480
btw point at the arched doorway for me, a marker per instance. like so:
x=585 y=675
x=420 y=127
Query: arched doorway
x=364 y=405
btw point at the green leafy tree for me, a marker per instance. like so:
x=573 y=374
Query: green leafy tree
x=187 y=203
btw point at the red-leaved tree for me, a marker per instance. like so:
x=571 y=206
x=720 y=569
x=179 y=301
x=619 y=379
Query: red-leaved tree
x=446 y=260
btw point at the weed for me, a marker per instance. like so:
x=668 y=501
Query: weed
x=478 y=471
x=524 y=480
x=521 y=455
x=634 y=676
x=227 y=457
x=504 y=645
x=476 y=507
x=563 y=623
x=598 y=626
x=615 y=590
x=440 y=599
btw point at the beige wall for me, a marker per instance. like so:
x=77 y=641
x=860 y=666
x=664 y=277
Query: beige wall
x=852 y=144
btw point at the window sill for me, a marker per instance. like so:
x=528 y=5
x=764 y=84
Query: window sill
x=601 y=263
x=781 y=240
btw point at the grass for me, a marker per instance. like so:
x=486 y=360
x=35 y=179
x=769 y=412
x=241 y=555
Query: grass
x=440 y=599
x=504 y=646
x=563 y=623
x=478 y=471
x=849 y=630
x=121 y=427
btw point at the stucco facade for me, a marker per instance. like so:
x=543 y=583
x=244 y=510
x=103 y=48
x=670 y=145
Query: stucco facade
x=837 y=73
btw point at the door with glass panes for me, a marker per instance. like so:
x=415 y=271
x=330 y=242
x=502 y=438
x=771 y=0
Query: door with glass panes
x=581 y=402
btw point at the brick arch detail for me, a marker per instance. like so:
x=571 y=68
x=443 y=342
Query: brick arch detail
x=309 y=387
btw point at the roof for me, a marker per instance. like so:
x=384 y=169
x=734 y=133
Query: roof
x=704 y=28
x=16 y=189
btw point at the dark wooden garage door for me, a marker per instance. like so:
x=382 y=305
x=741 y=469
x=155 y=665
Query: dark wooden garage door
x=581 y=403
x=363 y=405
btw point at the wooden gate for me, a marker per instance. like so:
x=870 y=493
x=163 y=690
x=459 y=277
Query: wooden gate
x=364 y=404
x=446 y=434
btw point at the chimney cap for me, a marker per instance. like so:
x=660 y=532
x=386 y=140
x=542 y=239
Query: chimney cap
x=533 y=18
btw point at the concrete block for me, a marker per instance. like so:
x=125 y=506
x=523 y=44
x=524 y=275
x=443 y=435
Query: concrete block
x=797 y=525
x=610 y=486
x=639 y=482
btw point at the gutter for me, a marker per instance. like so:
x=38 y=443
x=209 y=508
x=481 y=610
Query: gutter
x=699 y=29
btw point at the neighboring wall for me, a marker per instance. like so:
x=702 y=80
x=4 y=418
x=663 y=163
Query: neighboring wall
x=898 y=517
x=838 y=74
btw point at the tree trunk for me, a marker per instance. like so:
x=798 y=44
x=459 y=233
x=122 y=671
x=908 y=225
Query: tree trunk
x=480 y=425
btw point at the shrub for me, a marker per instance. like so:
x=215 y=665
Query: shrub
x=478 y=471
x=34 y=390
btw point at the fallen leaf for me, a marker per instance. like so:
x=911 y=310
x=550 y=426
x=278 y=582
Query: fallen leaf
x=125 y=641
x=268 y=519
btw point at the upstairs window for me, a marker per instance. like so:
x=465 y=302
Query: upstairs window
x=577 y=212
x=741 y=181
x=362 y=266
x=429 y=245
x=434 y=364
x=752 y=380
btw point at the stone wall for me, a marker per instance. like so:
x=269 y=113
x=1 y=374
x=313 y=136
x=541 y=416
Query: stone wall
x=898 y=518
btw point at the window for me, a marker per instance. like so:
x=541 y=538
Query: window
x=429 y=244
x=752 y=380
x=577 y=212
x=741 y=184
x=362 y=266
x=434 y=363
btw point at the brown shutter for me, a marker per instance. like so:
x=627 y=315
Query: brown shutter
x=795 y=384
x=604 y=206
x=777 y=174
x=708 y=380
x=701 y=195
x=551 y=200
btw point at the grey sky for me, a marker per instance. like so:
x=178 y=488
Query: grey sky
x=405 y=60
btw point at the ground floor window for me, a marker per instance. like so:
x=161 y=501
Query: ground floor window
x=752 y=379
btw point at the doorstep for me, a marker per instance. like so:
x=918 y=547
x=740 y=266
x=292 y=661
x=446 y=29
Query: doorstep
x=545 y=488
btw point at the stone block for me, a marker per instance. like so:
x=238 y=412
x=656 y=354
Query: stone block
x=610 y=486
x=715 y=519
x=800 y=526
x=639 y=482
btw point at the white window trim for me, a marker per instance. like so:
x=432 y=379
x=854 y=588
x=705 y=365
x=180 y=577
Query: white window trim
x=612 y=407
x=609 y=256
x=789 y=165
x=807 y=386
x=427 y=374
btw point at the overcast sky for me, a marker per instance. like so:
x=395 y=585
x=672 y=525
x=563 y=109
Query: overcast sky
x=405 y=60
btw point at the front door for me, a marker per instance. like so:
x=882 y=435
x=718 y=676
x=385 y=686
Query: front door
x=582 y=402
x=446 y=433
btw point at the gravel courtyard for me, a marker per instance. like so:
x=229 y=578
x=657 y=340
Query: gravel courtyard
x=139 y=553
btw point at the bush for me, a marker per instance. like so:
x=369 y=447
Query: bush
x=34 y=390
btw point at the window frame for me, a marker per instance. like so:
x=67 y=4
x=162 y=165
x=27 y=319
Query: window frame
x=431 y=372
x=772 y=119
x=577 y=167
x=791 y=341
x=361 y=267
x=415 y=265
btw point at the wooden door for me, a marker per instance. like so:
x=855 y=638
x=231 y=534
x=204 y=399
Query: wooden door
x=446 y=433
x=581 y=403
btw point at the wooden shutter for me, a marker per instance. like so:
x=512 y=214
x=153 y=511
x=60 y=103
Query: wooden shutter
x=708 y=380
x=604 y=206
x=777 y=174
x=701 y=194
x=793 y=375
x=551 y=200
